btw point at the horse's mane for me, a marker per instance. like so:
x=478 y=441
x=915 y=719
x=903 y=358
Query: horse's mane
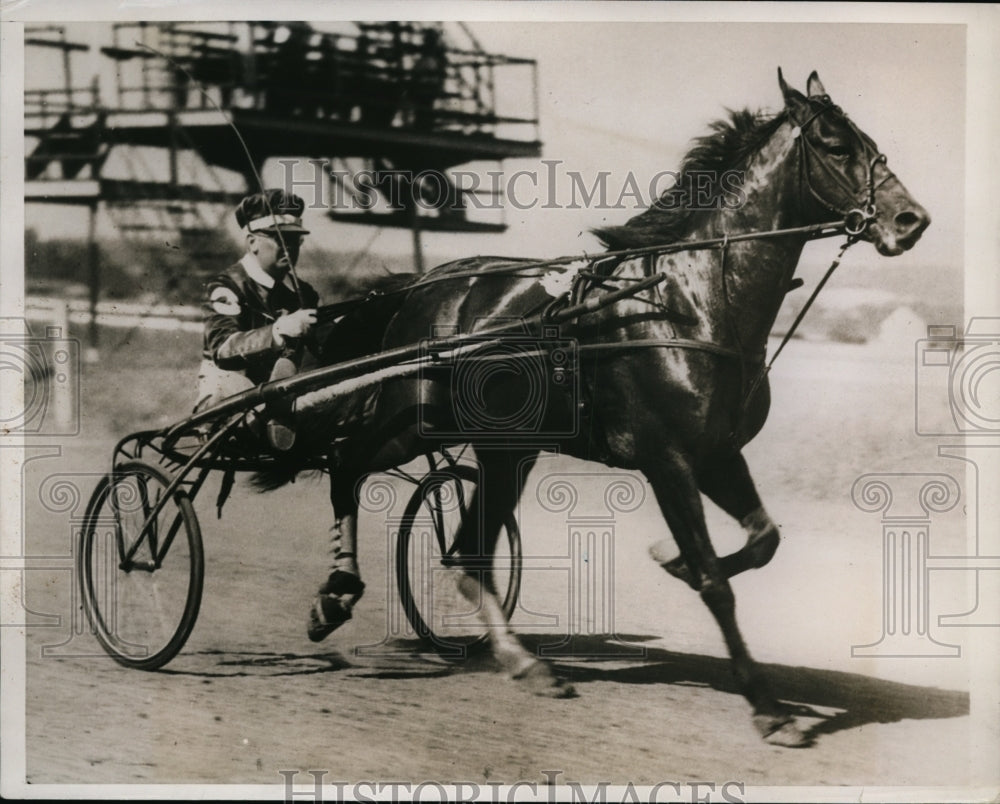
x=730 y=144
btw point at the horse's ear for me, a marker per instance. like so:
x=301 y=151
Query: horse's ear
x=781 y=83
x=815 y=87
x=790 y=95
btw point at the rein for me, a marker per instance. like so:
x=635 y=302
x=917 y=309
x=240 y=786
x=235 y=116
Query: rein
x=855 y=216
x=765 y=370
x=815 y=231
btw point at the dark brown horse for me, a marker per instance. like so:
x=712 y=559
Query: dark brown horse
x=670 y=380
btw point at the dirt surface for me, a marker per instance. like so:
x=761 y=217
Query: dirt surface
x=250 y=696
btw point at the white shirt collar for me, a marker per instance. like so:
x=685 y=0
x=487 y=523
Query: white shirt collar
x=258 y=274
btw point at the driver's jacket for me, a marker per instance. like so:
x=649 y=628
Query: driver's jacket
x=240 y=308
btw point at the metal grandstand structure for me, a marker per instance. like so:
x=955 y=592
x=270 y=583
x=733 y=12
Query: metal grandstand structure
x=148 y=137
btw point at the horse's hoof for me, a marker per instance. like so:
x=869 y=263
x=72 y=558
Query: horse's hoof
x=537 y=678
x=762 y=549
x=660 y=552
x=680 y=570
x=780 y=730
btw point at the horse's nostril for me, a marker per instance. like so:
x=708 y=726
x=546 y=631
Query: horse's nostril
x=911 y=222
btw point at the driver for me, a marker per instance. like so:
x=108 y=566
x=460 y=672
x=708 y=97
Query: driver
x=255 y=321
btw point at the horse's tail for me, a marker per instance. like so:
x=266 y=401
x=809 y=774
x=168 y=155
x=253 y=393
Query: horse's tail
x=279 y=474
x=272 y=478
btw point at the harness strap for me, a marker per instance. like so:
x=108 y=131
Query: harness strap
x=860 y=207
x=798 y=320
x=814 y=231
x=666 y=343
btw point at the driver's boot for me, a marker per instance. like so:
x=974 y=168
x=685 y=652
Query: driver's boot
x=281 y=412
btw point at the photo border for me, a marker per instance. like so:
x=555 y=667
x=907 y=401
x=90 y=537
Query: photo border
x=981 y=287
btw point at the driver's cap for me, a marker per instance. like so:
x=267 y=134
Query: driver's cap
x=270 y=211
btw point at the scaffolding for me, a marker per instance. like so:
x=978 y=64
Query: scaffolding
x=158 y=151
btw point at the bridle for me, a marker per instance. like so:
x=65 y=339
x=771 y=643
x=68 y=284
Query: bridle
x=859 y=209
x=856 y=213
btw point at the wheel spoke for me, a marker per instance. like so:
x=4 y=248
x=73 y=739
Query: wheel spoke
x=119 y=530
x=427 y=563
x=149 y=522
x=437 y=515
x=149 y=526
x=142 y=608
x=175 y=527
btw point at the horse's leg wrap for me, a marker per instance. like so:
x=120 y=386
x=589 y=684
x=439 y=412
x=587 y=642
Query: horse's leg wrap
x=344 y=544
x=762 y=537
x=343 y=588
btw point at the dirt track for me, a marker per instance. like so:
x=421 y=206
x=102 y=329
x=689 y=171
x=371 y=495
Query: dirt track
x=250 y=696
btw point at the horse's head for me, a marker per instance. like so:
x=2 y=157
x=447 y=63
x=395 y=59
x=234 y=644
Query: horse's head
x=844 y=172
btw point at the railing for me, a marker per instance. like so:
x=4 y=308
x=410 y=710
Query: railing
x=387 y=75
x=44 y=107
x=114 y=314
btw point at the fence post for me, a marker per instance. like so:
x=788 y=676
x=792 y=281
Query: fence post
x=94 y=274
x=61 y=386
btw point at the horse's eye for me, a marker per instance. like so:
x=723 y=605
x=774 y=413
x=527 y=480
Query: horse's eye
x=839 y=151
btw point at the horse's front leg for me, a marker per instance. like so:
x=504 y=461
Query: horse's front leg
x=677 y=492
x=726 y=481
x=501 y=482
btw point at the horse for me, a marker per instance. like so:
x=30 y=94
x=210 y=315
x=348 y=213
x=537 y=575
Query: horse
x=671 y=380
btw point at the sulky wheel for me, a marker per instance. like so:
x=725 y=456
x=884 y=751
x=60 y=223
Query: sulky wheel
x=140 y=566
x=426 y=557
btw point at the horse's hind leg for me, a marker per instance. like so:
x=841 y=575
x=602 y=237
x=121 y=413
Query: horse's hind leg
x=343 y=588
x=678 y=495
x=726 y=481
x=499 y=488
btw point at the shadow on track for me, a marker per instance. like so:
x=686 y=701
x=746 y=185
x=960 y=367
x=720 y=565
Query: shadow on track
x=858 y=699
x=855 y=699
x=226 y=664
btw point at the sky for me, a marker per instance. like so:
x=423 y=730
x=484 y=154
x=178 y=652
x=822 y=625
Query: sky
x=628 y=97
